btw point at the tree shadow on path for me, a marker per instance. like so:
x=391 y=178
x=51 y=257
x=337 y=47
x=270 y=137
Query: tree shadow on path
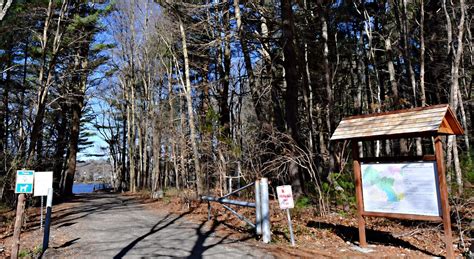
x=152 y=231
x=199 y=246
x=350 y=234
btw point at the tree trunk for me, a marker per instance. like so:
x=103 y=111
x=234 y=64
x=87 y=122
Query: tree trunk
x=4 y=7
x=292 y=85
x=44 y=84
x=187 y=91
x=422 y=54
x=76 y=110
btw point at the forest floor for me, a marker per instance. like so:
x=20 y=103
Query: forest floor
x=334 y=235
x=174 y=226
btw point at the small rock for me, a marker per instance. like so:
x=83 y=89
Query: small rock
x=362 y=250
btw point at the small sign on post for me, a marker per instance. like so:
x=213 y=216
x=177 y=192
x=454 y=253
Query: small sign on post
x=24 y=181
x=285 y=199
x=43 y=182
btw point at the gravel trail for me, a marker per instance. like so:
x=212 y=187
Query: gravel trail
x=114 y=226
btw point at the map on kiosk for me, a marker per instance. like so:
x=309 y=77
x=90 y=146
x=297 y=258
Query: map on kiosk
x=404 y=188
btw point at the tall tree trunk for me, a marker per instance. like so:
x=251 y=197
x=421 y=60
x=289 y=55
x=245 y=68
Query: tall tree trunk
x=4 y=116
x=81 y=65
x=225 y=66
x=4 y=7
x=43 y=83
x=258 y=104
x=187 y=91
x=156 y=154
x=292 y=85
x=60 y=152
x=76 y=110
x=454 y=101
x=422 y=54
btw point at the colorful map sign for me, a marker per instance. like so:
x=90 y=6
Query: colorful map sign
x=405 y=188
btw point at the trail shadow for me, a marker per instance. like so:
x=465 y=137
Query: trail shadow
x=351 y=234
x=68 y=243
x=67 y=215
x=199 y=248
x=67 y=224
x=152 y=231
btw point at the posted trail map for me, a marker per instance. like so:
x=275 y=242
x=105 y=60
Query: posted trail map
x=405 y=188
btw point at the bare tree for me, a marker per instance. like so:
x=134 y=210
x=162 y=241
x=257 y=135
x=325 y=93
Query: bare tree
x=4 y=7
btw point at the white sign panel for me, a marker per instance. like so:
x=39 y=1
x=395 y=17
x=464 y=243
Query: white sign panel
x=24 y=181
x=43 y=181
x=285 y=197
x=405 y=188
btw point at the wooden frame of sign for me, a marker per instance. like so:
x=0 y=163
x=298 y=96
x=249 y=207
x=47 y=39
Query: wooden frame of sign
x=434 y=122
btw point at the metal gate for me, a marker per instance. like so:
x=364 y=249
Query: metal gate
x=261 y=205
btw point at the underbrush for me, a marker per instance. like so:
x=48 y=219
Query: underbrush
x=30 y=253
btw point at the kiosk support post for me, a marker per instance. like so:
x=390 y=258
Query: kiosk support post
x=358 y=185
x=443 y=190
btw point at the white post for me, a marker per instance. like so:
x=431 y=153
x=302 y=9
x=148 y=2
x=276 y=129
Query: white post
x=265 y=210
x=258 y=209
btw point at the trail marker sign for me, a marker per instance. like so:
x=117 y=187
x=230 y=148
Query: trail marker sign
x=285 y=197
x=43 y=181
x=24 y=181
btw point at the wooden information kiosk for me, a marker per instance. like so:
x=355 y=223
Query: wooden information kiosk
x=383 y=180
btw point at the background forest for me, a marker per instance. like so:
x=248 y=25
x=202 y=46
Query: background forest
x=205 y=95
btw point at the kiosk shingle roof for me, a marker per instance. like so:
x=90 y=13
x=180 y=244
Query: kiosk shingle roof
x=422 y=121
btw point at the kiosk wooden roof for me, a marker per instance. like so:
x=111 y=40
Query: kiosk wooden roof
x=417 y=122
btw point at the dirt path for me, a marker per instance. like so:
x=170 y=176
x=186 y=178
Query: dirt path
x=114 y=226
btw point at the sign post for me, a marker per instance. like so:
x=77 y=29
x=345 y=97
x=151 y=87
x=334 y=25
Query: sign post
x=49 y=204
x=43 y=181
x=24 y=184
x=285 y=199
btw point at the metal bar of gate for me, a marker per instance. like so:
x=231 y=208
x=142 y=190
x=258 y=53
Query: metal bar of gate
x=238 y=215
x=233 y=202
x=238 y=190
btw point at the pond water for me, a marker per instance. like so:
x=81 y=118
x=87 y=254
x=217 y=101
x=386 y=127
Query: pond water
x=88 y=187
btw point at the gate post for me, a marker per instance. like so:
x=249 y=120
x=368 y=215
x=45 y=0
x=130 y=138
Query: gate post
x=258 y=209
x=265 y=210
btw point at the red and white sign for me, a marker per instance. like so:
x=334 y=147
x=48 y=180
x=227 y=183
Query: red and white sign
x=285 y=197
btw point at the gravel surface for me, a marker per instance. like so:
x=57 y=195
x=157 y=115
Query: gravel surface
x=113 y=226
